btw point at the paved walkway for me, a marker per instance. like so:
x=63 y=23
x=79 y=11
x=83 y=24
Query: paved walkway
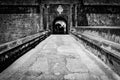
x=59 y=57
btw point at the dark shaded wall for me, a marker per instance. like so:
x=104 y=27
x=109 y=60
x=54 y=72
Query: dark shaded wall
x=99 y=15
x=60 y=1
x=15 y=26
x=18 y=19
x=117 y=2
x=18 y=2
x=102 y=20
x=82 y=19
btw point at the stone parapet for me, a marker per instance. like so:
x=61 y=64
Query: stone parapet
x=9 y=45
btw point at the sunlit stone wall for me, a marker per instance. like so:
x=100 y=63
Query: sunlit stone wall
x=103 y=19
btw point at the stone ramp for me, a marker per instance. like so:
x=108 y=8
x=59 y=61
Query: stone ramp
x=59 y=57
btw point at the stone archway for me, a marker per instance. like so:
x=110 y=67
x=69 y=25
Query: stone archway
x=60 y=25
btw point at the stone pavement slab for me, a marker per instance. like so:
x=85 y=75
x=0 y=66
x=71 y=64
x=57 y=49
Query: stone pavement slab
x=59 y=57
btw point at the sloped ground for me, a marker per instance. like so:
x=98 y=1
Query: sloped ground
x=59 y=57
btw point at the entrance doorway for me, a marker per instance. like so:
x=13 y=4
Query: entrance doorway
x=60 y=26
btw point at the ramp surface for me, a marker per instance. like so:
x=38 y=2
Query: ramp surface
x=59 y=57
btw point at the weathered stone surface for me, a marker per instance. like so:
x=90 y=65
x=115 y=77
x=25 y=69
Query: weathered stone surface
x=101 y=2
x=57 y=65
x=80 y=76
x=18 y=2
x=75 y=65
x=60 y=69
x=2 y=48
x=68 y=51
x=66 y=48
x=51 y=77
x=42 y=63
x=16 y=76
x=16 y=26
x=33 y=73
x=103 y=19
x=104 y=78
x=29 y=78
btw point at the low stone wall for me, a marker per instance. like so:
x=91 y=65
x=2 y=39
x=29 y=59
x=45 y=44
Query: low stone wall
x=105 y=56
x=106 y=33
x=9 y=45
x=109 y=58
x=17 y=48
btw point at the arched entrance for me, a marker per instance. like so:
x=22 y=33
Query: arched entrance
x=60 y=26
